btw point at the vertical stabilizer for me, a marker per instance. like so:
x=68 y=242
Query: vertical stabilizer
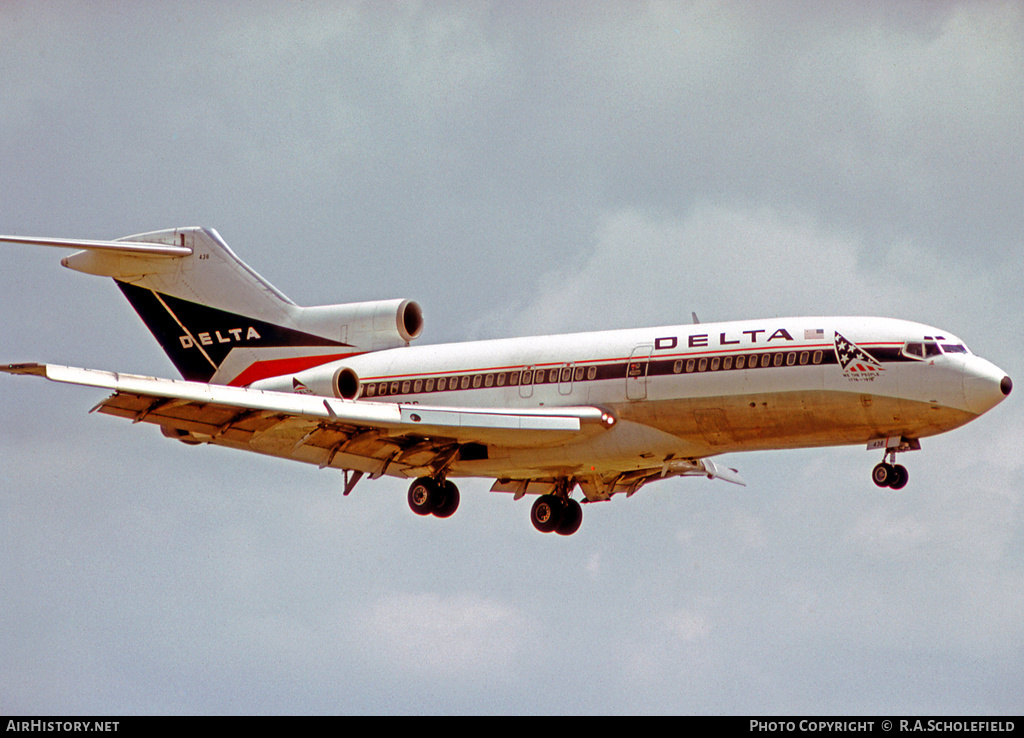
x=218 y=320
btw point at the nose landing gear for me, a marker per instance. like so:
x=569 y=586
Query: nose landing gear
x=894 y=476
x=889 y=473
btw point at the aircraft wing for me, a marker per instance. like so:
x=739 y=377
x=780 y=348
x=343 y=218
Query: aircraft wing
x=372 y=437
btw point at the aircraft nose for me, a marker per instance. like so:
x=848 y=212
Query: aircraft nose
x=985 y=385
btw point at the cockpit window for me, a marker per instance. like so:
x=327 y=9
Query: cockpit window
x=914 y=350
x=954 y=348
x=924 y=349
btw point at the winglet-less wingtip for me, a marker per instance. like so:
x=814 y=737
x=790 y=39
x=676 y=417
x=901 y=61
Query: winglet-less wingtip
x=37 y=369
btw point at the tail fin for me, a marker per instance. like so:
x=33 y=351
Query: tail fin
x=219 y=321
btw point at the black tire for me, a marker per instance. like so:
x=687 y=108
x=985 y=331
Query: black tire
x=572 y=518
x=423 y=496
x=447 y=501
x=900 y=477
x=882 y=475
x=546 y=513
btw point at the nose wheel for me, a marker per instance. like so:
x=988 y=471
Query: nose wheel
x=894 y=476
x=889 y=473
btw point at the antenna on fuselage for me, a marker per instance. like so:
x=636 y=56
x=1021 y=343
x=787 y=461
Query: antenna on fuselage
x=696 y=320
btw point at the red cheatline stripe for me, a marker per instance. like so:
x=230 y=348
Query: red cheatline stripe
x=276 y=367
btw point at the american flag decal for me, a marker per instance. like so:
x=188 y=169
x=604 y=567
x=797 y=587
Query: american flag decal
x=855 y=362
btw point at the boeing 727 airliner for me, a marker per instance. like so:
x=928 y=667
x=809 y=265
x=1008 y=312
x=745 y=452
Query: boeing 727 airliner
x=340 y=386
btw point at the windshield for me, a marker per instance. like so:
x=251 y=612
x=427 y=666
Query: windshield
x=928 y=349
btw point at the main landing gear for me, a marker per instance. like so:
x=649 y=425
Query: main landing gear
x=437 y=497
x=554 y=514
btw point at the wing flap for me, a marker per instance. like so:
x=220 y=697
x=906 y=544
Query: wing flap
x=356 y=434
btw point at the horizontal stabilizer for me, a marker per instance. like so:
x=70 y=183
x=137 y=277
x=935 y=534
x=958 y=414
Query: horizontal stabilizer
x=137 y=248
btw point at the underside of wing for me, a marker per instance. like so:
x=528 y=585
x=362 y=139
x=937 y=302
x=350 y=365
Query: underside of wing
x=374 y=438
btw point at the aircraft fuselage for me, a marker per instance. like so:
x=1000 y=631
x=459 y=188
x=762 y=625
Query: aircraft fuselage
x=692 y=390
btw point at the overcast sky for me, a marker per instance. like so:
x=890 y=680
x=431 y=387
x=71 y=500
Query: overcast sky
x=516 y=168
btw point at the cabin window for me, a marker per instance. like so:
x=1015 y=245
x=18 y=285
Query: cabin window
x=371 y=390
x=715 y=363
x=477 y=380
x=501 y=379
x=765 y=359
x=577 y=374
x=790 y=359
x=677 y=367
x=513 y=378
x=465 y=382
x=406 y=386
x=591 y=372
x=804 y=357
x=741 y=361
x=817 y=357
x=727 y=363
x=394 y=388
x=702 y=365
x=442 y=382
x=566 y=373
x=489 y=380
x=689 y=365
x=430 y=385
x=417 y=386
x=552 y=376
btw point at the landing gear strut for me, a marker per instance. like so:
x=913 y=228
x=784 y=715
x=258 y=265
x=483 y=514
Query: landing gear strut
x=437 y=497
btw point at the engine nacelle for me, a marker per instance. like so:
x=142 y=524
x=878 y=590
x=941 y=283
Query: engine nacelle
x=367 y=326
x=346 y=384
x=328 y=380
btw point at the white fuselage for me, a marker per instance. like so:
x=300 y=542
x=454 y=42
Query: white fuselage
x=690 y=391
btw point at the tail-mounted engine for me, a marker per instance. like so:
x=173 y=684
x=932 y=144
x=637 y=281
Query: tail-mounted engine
x=368 y=326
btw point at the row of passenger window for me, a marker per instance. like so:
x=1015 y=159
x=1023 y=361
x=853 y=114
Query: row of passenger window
x=743 y=361
x=476 y=381
x=578 y=373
